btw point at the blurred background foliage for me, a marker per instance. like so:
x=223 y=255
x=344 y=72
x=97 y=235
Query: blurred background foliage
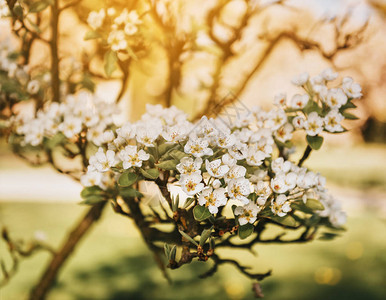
x=185 y=66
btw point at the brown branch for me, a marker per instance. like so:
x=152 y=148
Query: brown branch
x=55 y=81
x=306 y=154
x=49 y=276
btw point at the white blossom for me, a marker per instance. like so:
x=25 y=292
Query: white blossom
x=247 y=214
x=95 y=19
x=198 y=147
x=351 y=88
x=191 y=184
x=300 y=79
x=131 y=157
x=239 y=189
x=299 y=101
x=212 y=199
x=280 y=206
x=101 y=161
x=188 y=166
x=314 y=124
x=216 y=169
x=332 y=121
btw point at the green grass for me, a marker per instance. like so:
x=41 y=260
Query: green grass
x=113 y=262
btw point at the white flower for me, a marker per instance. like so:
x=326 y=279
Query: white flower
x=191 y=184
x=337 y=218
x=290 y=180
x=198 y=147
x=351 y=88
x=239 y=188
x=278 y=184
x=108 y=136
x=332 y=121
x=216 y=169
x=263 y=190
x=255 y=157
x=280 y=99
x=284 y=133
x=336 y=98
x=298 y=122
x=174 y=133
x=212 y=199
x=188 y=166
x=225 y=140
x=131 y=157
x=102 y=161
x=247 y=213
x=95 y=135
x=228 y=160
x=306 y=181
x=276 y=119
x=91 y=178
x=95 y=19
x=314 y=124
x=299 y=101
x=117 y=40
x=238 y=151
x=131 y=29
x=329 y=74
x=4 y=10
x=235 y=172
x=33 y=87
x=301 y=79
x=71 y=126
x=147 y=135
x=280 y=206
x=280 y=166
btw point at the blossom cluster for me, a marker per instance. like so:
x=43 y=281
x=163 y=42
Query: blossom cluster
x=16 y=81
x=120 y=30
x=78 y=113
x=217 y=163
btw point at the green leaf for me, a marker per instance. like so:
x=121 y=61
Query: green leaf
x=18 y=11
x=56 y=140
x=127 y=179
x=348 y=105
x=315 y=142
x=168 y=164
x=129 y=192
x=189 y=238
x=91 y=191
x=246 y=230
x=165 y=147
x=110 y=62
x=328 y=236
x=93 y=194
x=91 y=35
x=177 y=154
x=175 y=203
x=188 y=202
x=349 y=116
x=87 y=82
x=314 y=204
x=93 y=199
x=201 y=213
x=205 y=235
x=312 y=106
x=286 y=221
x=167 y=250
x=38 y=6
x=150 y=173
x=173 y=252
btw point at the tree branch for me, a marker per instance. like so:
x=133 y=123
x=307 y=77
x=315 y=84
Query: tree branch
x=49 y=276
